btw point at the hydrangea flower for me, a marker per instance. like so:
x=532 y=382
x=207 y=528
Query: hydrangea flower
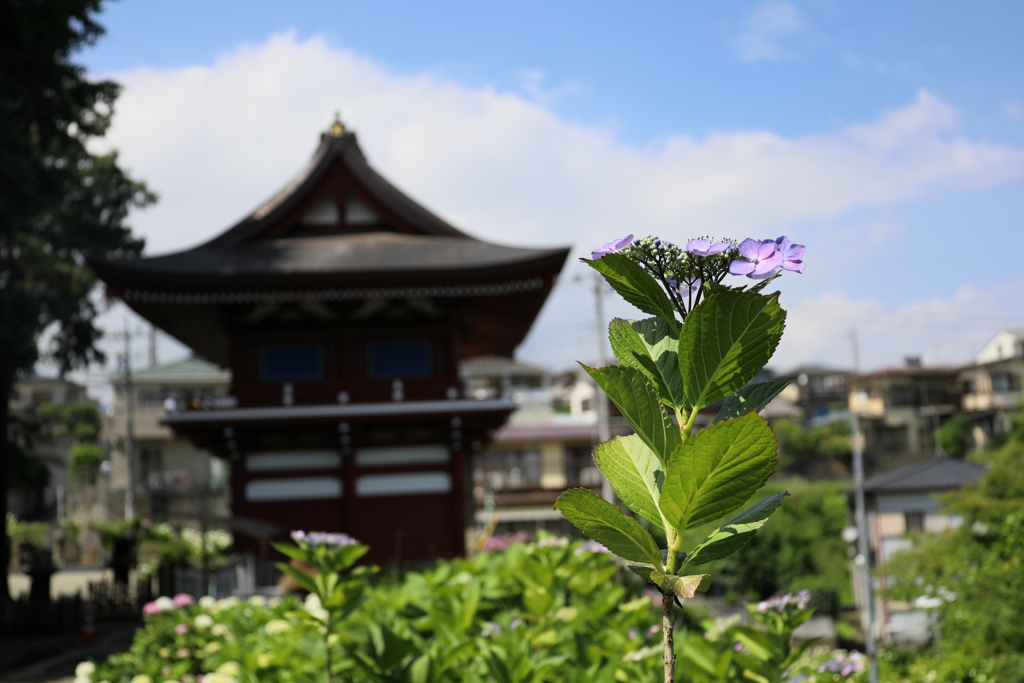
x=181 y=629
x=183 y=600
x=706 y=248
x=612 y=247
x=762 y=259
x=589 y=546
x=322 y=538
x=791 y=254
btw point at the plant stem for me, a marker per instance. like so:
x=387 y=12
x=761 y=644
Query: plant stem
x=667 y=637
x=327 y=649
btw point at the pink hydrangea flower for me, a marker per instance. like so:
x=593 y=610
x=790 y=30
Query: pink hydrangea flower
x=183 y=599
x=151 y=608
x=181 y=629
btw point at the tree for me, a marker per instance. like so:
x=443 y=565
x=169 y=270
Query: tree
x=59 y=203
x=973 y=576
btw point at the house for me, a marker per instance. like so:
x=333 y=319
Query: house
x=539 y=453
x=994 y=385
x=900 y=409
x=816 y=389
x=38 y=441
x=173 y=480
x=344 y=311
x=902 y=504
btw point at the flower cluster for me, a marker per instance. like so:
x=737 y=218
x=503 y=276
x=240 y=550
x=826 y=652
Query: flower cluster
x=843 y=664
x=164 y=603
x=780 y=603
x=685 y=271
x=322 y=538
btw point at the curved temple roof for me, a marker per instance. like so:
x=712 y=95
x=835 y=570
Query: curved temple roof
x=337 y=231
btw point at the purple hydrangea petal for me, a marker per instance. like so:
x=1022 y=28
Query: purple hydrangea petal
x=748 y=248
x=763 y=276
x=739 y=267
x=612 y=247
x=795 y=266
x=699 y=247
x=767 y=250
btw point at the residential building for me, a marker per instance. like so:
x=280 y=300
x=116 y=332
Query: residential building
x=901 y=505
x=994 y=385
x=539 y=453
x=39 y=442
x=816 y=389
x=900 y=409
x=173 y=479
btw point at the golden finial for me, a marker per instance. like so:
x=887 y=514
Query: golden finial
x=337 y=128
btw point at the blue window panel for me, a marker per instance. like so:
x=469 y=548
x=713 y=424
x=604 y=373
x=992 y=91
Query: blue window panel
x=400 y=358
x=292 y=363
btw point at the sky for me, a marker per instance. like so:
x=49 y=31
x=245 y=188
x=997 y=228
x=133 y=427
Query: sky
x=886 y=137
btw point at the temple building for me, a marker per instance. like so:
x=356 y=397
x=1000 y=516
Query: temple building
x=343 y=310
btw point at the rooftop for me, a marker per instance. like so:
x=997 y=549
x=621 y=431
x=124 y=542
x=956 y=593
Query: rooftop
x=936 y=474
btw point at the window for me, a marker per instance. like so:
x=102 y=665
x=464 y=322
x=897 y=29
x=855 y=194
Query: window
x=1003 y=382
x=914 y=522
x=399 y=358
x=511 y=469
x=292 y=363
x=580 y=469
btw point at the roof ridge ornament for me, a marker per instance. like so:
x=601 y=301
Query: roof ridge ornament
x=337 y=128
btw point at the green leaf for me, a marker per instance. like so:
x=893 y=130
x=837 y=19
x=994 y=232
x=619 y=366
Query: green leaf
x=635 y=473
x=301 y=578
x=684 y=587
x=726 y=340
x=639 y=403
x=736 y=532
x=603 y=522
x=291 y=551
x=717 y=470
x=650 y=346
x=635 y=285
x=751 y=397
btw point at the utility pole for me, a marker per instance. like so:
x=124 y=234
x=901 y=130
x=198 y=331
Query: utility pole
x=863 y=552
x=604 y=430
x=129 y=426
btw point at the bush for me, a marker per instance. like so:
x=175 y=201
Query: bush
x=554 y=610
x=84 y=460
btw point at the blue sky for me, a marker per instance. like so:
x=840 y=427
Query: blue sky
x=888 y=137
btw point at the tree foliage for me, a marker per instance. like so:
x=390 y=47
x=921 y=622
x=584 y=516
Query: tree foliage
x=973 y=576
x=801 y=549
x=60 y=203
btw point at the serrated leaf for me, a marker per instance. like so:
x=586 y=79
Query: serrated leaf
x=603 y=522
x=638 y=401
x=717 y=470
x=635 y=285
x=751 y=397
x=736 y=532
x=650 y=346
x=684 y=587
x=635 y=473
x=726 y=340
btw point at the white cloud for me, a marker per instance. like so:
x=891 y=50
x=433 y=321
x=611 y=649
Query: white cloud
x=943 y=331
x=216 y=140
x=766 y=28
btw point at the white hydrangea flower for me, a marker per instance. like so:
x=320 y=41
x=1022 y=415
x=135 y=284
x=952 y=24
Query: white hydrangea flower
x=203 y=621
x=276 y=626
x=207 y=601
x=85 y=669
